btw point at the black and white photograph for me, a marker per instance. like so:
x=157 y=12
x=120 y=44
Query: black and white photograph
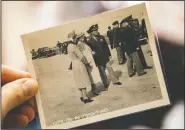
x=96 y=68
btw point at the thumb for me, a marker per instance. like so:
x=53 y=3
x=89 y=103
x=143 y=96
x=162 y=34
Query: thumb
x=16 y=93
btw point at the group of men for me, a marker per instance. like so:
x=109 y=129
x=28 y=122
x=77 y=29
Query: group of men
x=101 y=54
x=124 y=38
x=97 y=46
x=62 y=47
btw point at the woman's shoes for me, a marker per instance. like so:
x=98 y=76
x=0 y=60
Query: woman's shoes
x=82 y=99
x=86 y=100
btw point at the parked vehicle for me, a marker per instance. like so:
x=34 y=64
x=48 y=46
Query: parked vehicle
x=46 y=52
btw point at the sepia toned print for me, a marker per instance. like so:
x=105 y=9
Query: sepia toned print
x=96 y=68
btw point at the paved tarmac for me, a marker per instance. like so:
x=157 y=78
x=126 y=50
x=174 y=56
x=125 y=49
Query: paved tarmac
x=60 y=96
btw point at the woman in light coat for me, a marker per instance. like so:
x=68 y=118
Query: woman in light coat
x=80 y=74
x=86 y=51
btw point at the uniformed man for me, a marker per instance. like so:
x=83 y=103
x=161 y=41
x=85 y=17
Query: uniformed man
x=117 y=43
x=33 y=52
x=139 y=32
x=110 y=36
x=140 y=52
x=101 y=55
x=59 y=45
x=129 y=37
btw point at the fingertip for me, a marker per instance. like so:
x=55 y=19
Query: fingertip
x=30 y=87
x=23 y=120
x=32 y=104
x=28 y=75
x=28 y=111
x=10 y=74
x=15 y=121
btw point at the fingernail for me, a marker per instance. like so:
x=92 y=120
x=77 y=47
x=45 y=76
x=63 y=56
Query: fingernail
x=27 y=74
x=30 y=87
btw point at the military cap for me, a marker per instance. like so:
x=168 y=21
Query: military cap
x=92 y=28
x=115 y=22
x=71 y=34
x=123 y=21
x=88 y=31
x=96 y=25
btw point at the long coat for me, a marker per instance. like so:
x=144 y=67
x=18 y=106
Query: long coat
x=116 y=32
x=101 y=49
x=110 y=36
x=93 y=72
x=79 y=69
x=129 y=38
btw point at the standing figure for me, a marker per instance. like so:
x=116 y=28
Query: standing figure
x=84 y=48
x=139 y=30
x=80 y=73
x=101 y=55
x=117 y=43
x=64 y=47
x=34 y=55
x=73 y=39
x=59 y=45
x=129 y=37
x=110 y=36
x=33 y=52
x=140 y=52
x=142 y=58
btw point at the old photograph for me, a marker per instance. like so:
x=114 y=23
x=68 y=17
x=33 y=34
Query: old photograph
x=96 y=68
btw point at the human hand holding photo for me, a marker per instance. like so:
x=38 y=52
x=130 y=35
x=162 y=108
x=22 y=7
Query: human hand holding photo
x=18 y=106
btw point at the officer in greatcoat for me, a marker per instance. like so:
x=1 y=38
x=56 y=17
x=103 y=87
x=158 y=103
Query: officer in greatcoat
x=129 y=38
x=101 y=55
x=117 y=42
x=59 y=45
x=110 y=36
x=139 y=30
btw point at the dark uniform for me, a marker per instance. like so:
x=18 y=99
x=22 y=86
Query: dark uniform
x=59 y=45
x=141 y=33
x=129 y=37
x=145 y=34
x=101 y=49
x=101 y=54
x=116 y=32
x=110 y=36
x=40 y=53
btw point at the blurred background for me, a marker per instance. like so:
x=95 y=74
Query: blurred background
x=167 y=20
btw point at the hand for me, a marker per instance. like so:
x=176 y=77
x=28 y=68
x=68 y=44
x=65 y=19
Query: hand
x=137 y=48
x=120 y=43
x=17 y=88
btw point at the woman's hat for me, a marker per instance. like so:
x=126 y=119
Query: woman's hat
x=71 y=34
x=80 y=35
